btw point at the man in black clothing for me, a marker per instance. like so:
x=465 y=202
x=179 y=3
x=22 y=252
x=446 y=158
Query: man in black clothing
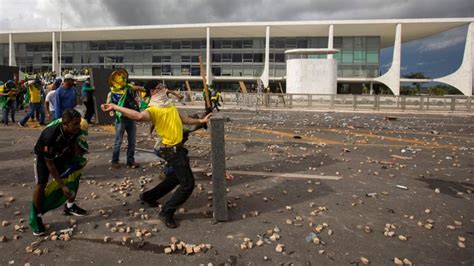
x=56 y=144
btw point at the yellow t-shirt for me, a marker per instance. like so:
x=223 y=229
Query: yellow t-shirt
x=35 y=94
x=167 y=123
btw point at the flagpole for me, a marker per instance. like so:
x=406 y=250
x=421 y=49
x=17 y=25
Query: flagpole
x=60 y=45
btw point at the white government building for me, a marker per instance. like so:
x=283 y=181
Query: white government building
x=311 y=57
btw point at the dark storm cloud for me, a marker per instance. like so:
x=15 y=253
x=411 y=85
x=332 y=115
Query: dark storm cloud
x=144 y=12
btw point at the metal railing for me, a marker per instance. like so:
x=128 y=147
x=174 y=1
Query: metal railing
x=426 y=103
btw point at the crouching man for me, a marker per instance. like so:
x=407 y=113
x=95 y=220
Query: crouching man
x=59 y=152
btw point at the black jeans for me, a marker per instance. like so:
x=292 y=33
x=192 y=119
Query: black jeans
x=176 y=157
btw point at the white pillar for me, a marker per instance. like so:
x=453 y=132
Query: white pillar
x=331 y=39
x=392 y=77
x=266 y=67
x=11 y=51
x=208 y=56
x=463 y=78
x=54 y=54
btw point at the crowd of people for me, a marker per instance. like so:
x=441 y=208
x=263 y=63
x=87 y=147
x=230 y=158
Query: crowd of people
x=44 y=98
x=61 y=146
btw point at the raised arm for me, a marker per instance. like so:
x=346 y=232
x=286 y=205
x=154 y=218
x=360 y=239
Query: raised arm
x=193 y=121
x=132 y=114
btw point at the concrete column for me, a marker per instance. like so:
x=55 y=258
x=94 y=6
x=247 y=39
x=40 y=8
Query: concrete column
x=11 y=51
x=54 y=54
x=392 y=77
x=219 y=184
x=208 y=57
x=463 y=78
x=331 y=39
x=266 y=67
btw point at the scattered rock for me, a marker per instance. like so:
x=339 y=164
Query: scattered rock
x=280 y=248
x=364 y=260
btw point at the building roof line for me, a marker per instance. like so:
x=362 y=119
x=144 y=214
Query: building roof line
x=252 y=24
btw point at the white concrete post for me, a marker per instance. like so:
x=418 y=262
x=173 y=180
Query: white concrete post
x=266 y=67
x=392 y=77
x=331 y=39
x=208 y=56
x=54 y=54
x=463 y=78
x=11 y=51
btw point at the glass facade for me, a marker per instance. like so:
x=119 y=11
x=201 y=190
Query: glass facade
x=359 y=56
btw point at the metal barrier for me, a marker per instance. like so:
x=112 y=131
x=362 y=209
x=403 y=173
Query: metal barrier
x=425 y=103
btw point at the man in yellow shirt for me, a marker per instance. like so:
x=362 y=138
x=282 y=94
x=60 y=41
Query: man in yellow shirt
x=34 y=88
x=168 y=122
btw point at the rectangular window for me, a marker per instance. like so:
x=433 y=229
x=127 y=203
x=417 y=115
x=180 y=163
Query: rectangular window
x=359 y=43
x=166 y=70
x=195 y=58
x=237 y=44
x=359 y=57
x=129 y=45
x=279 y=43
x=236 y=58
x=185 y=58
x=138 y=46
x=216 y=58
x=226 y=57
x=279 y=58
x=337 y=42
x=259 y=44
x=102 y=46
x=119 y=45
x=156 y=59
x=176 y=45
x=217 y=44
x=248 y=58
x=147 y=45
x=226 y=44
x=247 y=44
x=185 y=70
x=216 y=71
x=258 y=58
x=348 y=43
x=337 y=57
x=226 y=71
x=372 y=43
x=248 y=71
x=290 y=43
x=302 y=44
x=157 y=46
x=166 y=45
x=237 y=71
x=185 y=45
x=372 y=57
x=67 y=59
x=196 y=44
x=166 y=58
x=156 y=70
x=195 y=71
x=110 y=45
x=46 y=60
x=347 y=57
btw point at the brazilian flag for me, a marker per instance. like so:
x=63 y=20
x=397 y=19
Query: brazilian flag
x=53 y=194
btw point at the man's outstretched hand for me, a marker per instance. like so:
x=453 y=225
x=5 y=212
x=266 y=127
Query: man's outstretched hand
x=205 y=119
x=107 y=107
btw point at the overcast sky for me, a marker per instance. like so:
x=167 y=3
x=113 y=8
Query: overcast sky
x=45 y=14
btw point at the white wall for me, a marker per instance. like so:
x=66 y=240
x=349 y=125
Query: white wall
x=314 y=76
